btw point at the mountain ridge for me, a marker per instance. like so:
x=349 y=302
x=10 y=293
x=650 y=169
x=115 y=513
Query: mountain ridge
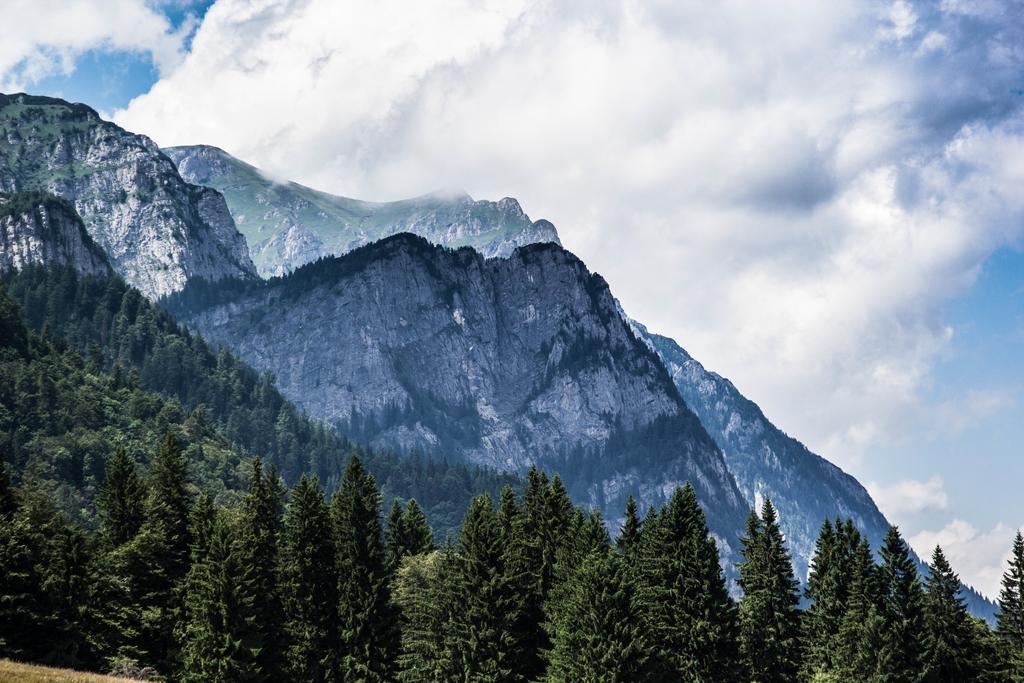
x=288 y=224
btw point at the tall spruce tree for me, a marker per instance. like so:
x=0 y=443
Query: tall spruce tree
x=367 y=625
x=629 y=534
x=769 y=619
x=950 y=652
x=900 y=655
x=426 y=597
x=259 y=538
x=220 y=641
x=484 y=634
x=309 y=585
x=408 y=533
x=691 y=619
x=1011 y=609
x=596 y=628
x=860 y=631
x=121 y=500
x=824 y=591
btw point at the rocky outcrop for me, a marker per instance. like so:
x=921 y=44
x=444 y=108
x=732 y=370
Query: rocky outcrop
x=288 y=225
x=40 y=229
x=768 y=463
x=502 y=362
x=157 y=230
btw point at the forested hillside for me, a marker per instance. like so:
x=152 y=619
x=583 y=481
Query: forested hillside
x=146 y=375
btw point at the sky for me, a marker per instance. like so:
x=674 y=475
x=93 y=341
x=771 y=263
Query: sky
x=821 y=201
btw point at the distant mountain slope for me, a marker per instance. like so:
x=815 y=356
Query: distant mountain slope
x=157 y=230
x=288 y=225
x=38 y=228
x=768 y=463
x=501 y=362
x=134 y=348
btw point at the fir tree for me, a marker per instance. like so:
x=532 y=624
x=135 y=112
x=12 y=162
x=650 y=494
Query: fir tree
x=367 y=623
x=769 y=620
x=860 y=631
x=690 y=617
x=419 y=536
x=259 y=537
x=949 y=648
x=825 y=580
x=596 y=627
x=309 y=585
x=1011 y=609
x=219 y=636
x=900 y=657
x=629 y=534
x=484 y=637
x=121 y=500
x=426 y=597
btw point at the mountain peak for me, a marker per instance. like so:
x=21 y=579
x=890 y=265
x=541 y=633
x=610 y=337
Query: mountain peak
x=288 y=224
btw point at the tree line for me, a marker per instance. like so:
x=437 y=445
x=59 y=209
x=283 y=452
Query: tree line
x=293 y=585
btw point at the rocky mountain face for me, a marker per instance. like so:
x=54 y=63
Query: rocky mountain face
x=288 y=225
x=157 y=230
x=501 y=362
x=768 y=463
x=40 y=229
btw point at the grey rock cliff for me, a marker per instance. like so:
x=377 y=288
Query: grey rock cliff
x=288 y=224
x=157 y=230
x=502 y=362
x=39 y=229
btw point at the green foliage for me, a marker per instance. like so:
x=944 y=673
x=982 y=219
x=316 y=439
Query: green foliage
x=949 y=648
x=208 y=392
x=367 y=633
x=596 y=625
x=1011 y=608
x=121 y=500
x=220 y=641
x=769 y=620
x=691 y=619
x=900 y=656
x=309 y=585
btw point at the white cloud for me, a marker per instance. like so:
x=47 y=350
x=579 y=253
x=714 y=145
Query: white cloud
x=40 y=38
x=909 y=496
x=979 y=557
x=792 y=191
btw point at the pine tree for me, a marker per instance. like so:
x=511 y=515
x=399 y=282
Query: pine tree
x=1011 y=609
x=8 y=501
x=367 y=623
x=426 y=599
x=408 y=533
x=596 y=627
x=309 y=585
x=691 y=619
x=259 y=537
x=629 y=534
x=949 y=647
x=860 y=631
x=824 y=615
x=121 y=500
x=899 y=660
x=219 y=635
x=483 y=629
x=769 y=620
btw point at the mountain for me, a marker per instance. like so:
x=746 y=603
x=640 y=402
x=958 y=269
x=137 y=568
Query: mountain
x=500 y=362
x=768 y=463
x=157 y=230
x=38 y=228
x=288 y=225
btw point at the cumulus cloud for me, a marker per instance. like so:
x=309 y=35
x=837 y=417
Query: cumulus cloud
x=792 y=190
x=980 y=557
x=40 y=38
x=909 y=496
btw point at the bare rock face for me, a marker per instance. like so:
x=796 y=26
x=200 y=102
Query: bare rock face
x=288 y=225
x=501 y=362
x=157 y=230
x=40 y=229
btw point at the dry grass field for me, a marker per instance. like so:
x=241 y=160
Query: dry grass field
x=14 y=672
